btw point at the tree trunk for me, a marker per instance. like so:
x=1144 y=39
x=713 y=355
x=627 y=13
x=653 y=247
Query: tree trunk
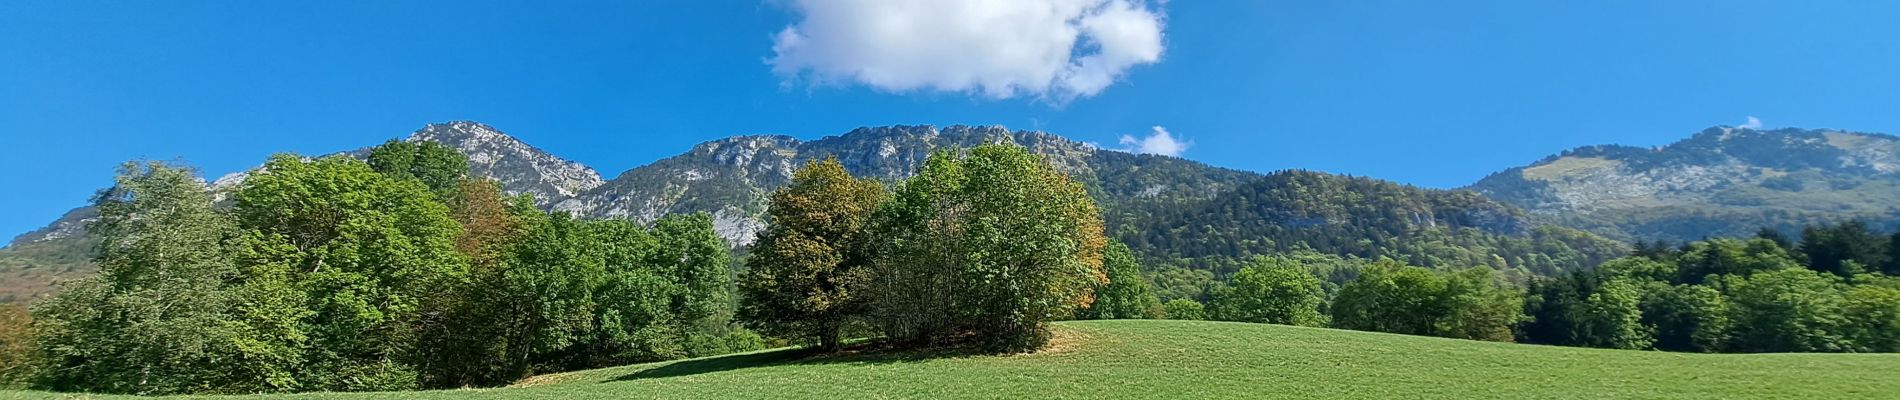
x=828 y=338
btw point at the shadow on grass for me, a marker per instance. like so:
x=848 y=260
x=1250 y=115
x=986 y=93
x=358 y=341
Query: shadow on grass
x=871 y=353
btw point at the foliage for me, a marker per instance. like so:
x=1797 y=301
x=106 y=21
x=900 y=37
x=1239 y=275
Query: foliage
x=156 y=319
x=1612 y=318
x=1792 y=310
x=1127 y=295
x=808 y=271
x=1481 y=306
x=1873 y=318
x=1292 y=211
x=1723 y=256
x=365 y=249
x=991 y=244
x=16 y=346
x=1837 y=248
x=1691 y=318
x=441 y=168
x=1726 y=295
x=1185 y=309
x=1273 y=290
x=1392 y=297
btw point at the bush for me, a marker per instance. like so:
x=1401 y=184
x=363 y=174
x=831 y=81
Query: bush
x=1185 y=309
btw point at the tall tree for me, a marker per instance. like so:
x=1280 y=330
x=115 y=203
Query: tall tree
x=635 y=297
x=1687 y=317
x=692 y=256
x=157 y=318
x=1830 y=248
x=994 y=244
x=1775 y=236
x=1892 y=267
x=365 y=249
x=808 y=271
x=1612 y=318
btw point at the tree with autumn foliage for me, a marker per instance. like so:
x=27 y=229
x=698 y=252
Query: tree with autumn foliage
x=985 y=246
x=807 y=272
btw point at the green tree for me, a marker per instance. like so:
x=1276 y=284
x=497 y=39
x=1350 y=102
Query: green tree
x=1127 y=295
x=692 y=256
x=1553 y=305
x=1791 y=310
x=635 y=314
x=439 y=167
x=552 y=275
x=808 y=272
x=157 y=318
x=1731 y=257
x=1638 y=269
x=1481 y=306
x=1873 y=318
x=1774 y=235
x=1612 y=317
x=1892 y=267
x=1273 y=290
x=1185 y=309
x=365 y=249
x=992 y=244
x=1829 y=248
x=1392 y=297
x=1687 y=317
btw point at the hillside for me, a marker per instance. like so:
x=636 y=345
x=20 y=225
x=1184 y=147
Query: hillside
x=1723 y=181
x=1362 y=217
x=1170 y=209
x=1183 y=359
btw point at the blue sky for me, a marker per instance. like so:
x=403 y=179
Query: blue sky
x=1434 y=93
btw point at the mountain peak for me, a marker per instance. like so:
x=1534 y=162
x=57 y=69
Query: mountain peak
x=456 y=132
x=518 y=166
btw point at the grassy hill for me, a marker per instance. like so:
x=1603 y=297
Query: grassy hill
x=1180 y=359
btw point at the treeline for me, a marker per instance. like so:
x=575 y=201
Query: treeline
x=395 y=273
x=1310 y=289
x=1833 y=291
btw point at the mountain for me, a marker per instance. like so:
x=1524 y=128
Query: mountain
x=732 y=177
x=519 y=167
x=1290 y=211
x=1175 y=211
x=1723 y=181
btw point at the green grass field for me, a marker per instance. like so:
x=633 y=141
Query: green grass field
x=1194 y=360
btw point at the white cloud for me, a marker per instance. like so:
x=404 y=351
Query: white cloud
x=1052 y=49
x=1161 y=142
x=1753 y=123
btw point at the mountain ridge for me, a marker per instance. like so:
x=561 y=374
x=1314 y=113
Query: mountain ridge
x=1721 y=181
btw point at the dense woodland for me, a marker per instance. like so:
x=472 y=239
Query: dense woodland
x=401 y=272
